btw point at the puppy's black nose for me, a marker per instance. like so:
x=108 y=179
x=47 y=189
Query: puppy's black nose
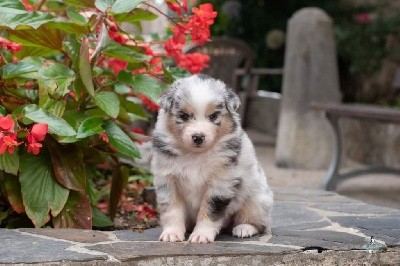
x=198 y=139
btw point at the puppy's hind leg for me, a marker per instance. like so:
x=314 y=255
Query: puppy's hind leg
x=254 y=216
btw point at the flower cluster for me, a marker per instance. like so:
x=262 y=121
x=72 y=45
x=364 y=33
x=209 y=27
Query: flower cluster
x=148 y=103
x=8 y=137
x=10 y=46
x=37 y=134
x=198 y=27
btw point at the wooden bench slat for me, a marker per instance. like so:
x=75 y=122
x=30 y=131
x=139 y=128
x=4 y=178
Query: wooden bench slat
x=360 y=111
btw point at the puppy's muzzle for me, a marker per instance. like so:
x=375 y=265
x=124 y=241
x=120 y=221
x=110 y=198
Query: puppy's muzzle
x=198 y=139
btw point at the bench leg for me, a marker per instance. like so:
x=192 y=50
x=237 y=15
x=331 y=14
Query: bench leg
x=331 y=177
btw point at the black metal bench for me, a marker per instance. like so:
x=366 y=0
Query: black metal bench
x=355 y=111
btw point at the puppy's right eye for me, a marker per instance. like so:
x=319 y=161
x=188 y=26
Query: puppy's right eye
x=183 y=116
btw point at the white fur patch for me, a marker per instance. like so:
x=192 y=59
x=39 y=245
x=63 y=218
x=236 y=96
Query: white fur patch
x=244 y=230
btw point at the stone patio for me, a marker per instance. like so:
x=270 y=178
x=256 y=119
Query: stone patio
x=311 y=227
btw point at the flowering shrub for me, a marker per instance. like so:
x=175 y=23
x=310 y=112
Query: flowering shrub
x=72 y=80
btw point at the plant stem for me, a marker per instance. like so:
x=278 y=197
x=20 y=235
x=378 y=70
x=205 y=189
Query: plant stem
x=159 y=11
x=40 y=4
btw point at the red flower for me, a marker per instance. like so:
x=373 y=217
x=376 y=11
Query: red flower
x=149 y=104
x=199 y=29
x=156 y=65
x=175 y=7
x=179 y=33
x=194 y=63
x=9 y=45
x=200 y=23
x=6 y=123
x=117 y=65
x=8 y=143
x=364 y=18
x=39 y=131
x=118 y=37
x=145 y=211
x=137 y=130
x=104 y=137
x=34 y=148
x=185 y=5
x=172 y=48
x=27 y=5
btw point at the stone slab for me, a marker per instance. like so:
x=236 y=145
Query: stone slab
x=76 y=235
x=310 y=227
x=20 y=248
x=124 y=251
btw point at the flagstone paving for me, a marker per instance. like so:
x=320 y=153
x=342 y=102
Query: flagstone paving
x=311 y=227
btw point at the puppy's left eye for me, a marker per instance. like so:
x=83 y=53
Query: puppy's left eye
x=214 y=116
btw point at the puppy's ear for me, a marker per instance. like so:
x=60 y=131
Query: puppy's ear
x=166 y=99
x=232 y=100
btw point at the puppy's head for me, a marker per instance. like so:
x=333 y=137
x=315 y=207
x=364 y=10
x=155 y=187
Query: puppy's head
x=199 y=110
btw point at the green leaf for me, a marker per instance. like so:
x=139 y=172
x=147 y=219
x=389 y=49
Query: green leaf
x=133 y=107
x=57 y=125
x=143 y=84
x=85 y=69
x=36 y=51
x=68 y=166
x=68 y=27
x=56 y=107
x=125 y=53
x=80 y=3
x=43 y=37
x=102 y=41
x=19 y=69
x=90 y=126
x=12 y=7
x=176 y=73
x=12 y=190
x=148 y=86
x=75 y=16
x=124 y=6
x=121 y=88
x=137 y=15
x=91 y=190
x=73 y=46
x=99 y=219
x=108 y=102
x=103 y=5
x=40 y=192
x=10 y=162
x=120 y=140
x=55 y=78
x=77 y=212
x=2 y=110
x=24 y=20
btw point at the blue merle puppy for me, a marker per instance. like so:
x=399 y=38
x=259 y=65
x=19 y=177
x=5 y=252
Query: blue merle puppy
x=207 y=176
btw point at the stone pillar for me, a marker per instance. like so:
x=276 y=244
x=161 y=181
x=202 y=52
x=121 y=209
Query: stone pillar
x=310 y=74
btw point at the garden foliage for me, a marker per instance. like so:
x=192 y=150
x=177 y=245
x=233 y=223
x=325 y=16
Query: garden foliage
x=72 y=81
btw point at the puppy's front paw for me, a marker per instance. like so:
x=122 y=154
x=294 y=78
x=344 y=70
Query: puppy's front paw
x=172 y=235
x=202 y=236
x=244 y=230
